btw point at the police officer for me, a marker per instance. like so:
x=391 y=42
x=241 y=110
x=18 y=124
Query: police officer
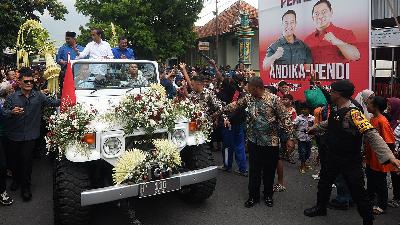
x=345 y=129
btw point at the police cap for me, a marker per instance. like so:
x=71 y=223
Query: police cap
x=344 y=87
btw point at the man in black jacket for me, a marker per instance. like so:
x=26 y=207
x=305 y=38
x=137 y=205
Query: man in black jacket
x=22 y=113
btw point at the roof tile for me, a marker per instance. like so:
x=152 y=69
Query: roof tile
x=229 y=20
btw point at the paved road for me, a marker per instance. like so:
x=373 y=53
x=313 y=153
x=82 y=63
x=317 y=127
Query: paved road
x=224 y=207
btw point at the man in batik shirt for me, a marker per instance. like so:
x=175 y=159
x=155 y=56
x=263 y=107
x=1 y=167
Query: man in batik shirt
x=136 y=78
x=200 y=95
x=265 y=114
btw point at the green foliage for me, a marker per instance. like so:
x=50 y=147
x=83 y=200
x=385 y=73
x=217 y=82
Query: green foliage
x=13 y=13
x=158 y=29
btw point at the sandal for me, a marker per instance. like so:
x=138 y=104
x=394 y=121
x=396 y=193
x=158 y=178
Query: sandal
x=394 y=203
x=223 y=168
x=377 y=210
x=279 y=188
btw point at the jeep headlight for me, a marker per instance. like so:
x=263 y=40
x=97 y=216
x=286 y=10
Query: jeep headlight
x=179 y=138
x=112 y=146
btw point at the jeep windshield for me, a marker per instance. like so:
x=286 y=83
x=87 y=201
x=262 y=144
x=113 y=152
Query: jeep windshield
x=107 y=75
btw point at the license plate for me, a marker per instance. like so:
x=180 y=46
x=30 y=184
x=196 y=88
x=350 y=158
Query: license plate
x=159 y=187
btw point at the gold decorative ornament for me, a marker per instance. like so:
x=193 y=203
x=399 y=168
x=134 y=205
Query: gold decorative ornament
x=40 y=37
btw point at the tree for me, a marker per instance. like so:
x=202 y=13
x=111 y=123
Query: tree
x=159 y=29
x=13 y=13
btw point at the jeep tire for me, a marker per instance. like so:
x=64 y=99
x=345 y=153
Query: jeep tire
x=194 y=158
x=69 y=180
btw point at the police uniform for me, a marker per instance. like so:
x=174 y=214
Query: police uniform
x=345 y=129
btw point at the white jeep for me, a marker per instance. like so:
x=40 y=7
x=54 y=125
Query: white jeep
x=81 y=181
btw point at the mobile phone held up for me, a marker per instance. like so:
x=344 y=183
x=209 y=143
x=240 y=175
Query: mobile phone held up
x=205 y=56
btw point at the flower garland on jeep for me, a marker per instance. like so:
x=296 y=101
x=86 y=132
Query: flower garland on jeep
x=199 y=124
x=67 y=129
x=149 y=111
x=153 y=110
x=136 y=166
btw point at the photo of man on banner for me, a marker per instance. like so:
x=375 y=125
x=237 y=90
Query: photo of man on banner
x=330 y=43
x=288 y=49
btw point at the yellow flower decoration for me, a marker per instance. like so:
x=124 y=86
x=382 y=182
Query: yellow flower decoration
x=158 y=88
x=167 y=153
x=131 y=166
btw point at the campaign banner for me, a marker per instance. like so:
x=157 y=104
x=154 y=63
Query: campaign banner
x=326 y=39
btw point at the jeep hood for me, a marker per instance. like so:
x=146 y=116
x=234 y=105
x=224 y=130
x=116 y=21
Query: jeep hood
x=104 y=99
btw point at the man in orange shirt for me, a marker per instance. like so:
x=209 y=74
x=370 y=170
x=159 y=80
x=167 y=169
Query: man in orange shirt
x=375 y=171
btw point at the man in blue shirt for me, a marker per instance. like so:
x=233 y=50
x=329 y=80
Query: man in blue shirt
x=70 y=47
x=122 y=51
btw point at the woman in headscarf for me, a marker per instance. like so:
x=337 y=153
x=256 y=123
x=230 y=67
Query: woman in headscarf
x=394 y=111
x=362 y=98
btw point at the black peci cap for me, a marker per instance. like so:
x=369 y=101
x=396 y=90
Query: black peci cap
x=70 y=34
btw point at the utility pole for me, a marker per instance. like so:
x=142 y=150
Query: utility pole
x=216 y=31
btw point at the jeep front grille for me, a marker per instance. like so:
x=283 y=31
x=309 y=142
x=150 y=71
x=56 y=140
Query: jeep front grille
x=143 y=142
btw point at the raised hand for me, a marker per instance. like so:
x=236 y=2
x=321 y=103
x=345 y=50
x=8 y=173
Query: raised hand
x=330 y=37
x=279 y=53
x=182 y=66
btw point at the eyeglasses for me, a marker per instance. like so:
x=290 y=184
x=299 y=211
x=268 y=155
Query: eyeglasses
x=28 y=81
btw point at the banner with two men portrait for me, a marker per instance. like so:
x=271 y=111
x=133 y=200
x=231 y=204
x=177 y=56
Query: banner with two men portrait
x=328 y=39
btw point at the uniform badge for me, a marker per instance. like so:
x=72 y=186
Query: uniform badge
x=360 y=121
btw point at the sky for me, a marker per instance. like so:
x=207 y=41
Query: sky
x=74 y=19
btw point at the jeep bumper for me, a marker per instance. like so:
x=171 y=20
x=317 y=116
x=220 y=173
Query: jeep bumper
x=113 y=193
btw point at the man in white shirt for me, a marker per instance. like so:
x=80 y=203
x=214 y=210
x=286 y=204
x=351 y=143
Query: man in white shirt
x=97 y=49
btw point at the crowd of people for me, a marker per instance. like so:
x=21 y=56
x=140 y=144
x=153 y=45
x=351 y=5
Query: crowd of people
x=353 y=137
x=259 y=126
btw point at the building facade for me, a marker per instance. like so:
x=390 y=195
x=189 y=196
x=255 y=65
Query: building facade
x=228 y=42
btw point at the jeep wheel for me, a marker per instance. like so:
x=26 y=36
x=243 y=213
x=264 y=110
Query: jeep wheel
x=198 y=157
x=70 y=179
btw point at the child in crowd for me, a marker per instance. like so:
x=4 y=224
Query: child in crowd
x=376 y=172
x=302 y=123
x=284 y=153
x=287 y=101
